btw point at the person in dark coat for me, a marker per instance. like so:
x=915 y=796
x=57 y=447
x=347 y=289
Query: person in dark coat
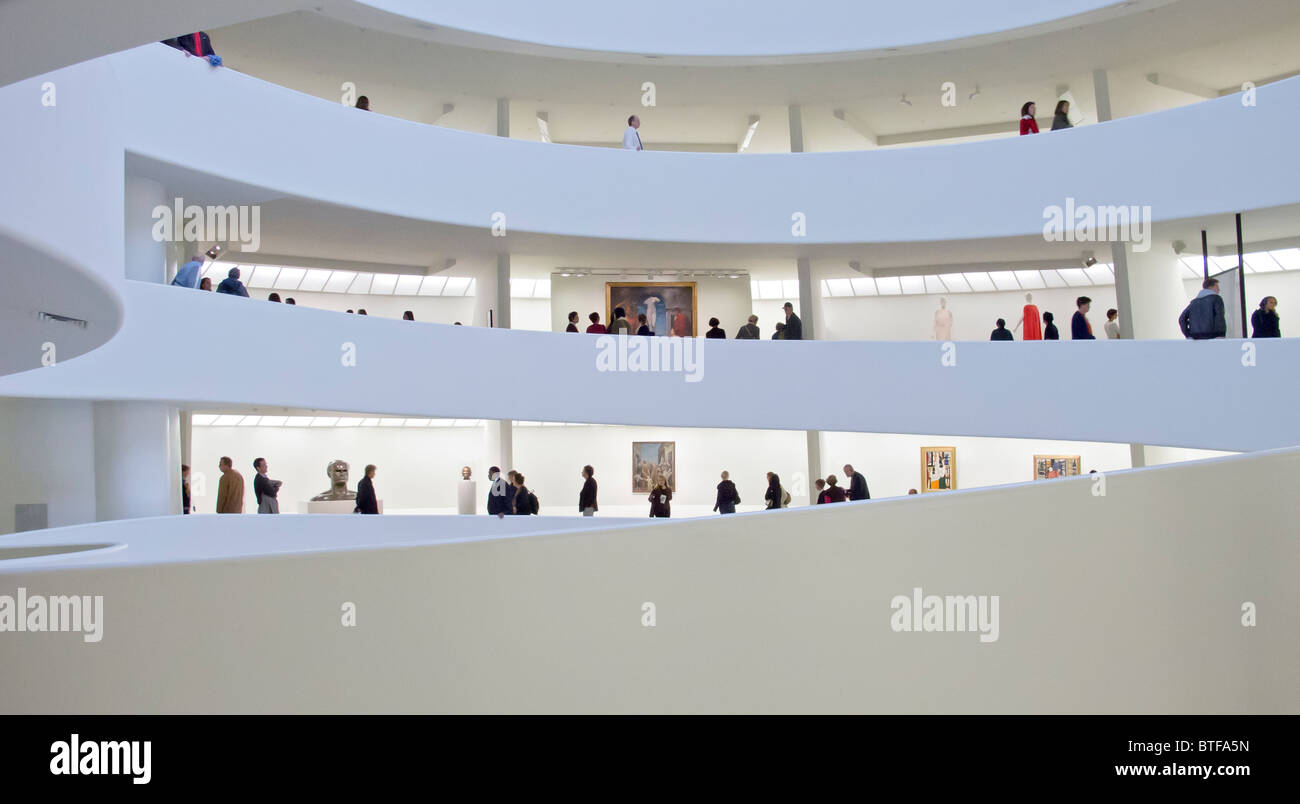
x=773 y=494
x=1050 y=332
x=715 y=331
x=1264 y=321
x=643 y=328
x=661 y=498
x=749 y=330
x=231 y=284
x=728 y=497
x=821 y=491
x=511 y=489
x=857 y=483
x=1061 y=119
x=793 y=326
x=366 y=500
x=1080 y=329
x=587 y=497
x=497 y=500
x=523 y=499
x=573 y=322
x=1203 y=319
x=833 y=491
x=1001 y=333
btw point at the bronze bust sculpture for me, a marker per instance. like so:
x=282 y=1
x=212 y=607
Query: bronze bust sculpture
x=337 y=472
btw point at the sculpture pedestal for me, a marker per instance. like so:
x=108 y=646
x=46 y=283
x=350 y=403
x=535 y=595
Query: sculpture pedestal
x=332 y=507
x=466 y=496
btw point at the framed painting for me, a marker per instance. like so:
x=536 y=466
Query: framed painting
x=651 y=459
x=669 y=307
x=1047 y=467
x=938 y=469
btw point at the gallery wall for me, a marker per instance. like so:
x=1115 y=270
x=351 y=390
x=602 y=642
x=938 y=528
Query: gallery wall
x=974 y=315
x=48 y=446
x=418 y=466
x=728 y=299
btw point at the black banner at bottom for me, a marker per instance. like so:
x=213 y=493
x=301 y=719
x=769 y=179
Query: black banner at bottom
x=203 y=753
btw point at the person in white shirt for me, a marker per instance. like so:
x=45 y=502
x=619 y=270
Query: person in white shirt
x=631 y=139
x=1112 y=323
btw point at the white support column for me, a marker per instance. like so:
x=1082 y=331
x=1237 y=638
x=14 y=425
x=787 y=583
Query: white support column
x=145 y=258
x=503 y=117
x=796 y=129
x=1101 y=88
x=138 y=460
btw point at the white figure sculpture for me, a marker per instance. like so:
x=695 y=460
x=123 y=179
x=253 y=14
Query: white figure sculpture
x=943 y=322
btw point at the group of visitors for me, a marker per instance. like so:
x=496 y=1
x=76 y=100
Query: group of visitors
x=1080 y=327
x=791 y=329
x=1060 y=118
x=509 y=496
x=830 y=491
x=230 y=489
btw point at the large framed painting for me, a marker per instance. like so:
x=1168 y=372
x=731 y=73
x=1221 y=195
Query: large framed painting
x=651 y=459
x=938 y=469
x=669 y=307
x=1047 y=467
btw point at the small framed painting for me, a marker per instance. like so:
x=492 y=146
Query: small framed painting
x=650 y=460
x=1047 y=467
x=938 y=469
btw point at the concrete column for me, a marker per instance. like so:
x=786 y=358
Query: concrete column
x=145 y=258
x=503 y=291
x=138 y=460
x=796 y=129
x=503 y=117
x=1101 y=87
x=498 y=444
x=187 y=438
x=1150 y=295
x=814 y=462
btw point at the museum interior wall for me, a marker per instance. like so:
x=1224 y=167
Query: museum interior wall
x=1100 y=612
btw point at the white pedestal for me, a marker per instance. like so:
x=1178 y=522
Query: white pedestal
x=466 y=496
x=332 y=507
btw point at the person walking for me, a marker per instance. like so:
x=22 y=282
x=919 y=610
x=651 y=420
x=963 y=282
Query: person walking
x=1050 y=332
x=793 y=326
x=857 y=483
x=1028 y=125
x=1061 y=117
x=728 y=497
x=187 y=276
x=772 y=497
x=1112 y=324
x=587 y=497
x=632 y=137
x=1203 y=318
x=498 y=496
x=1080 y=329
x=749 y=331
x=230 y=489
x=1264 y=322
x=231 y=285
x=367 y=502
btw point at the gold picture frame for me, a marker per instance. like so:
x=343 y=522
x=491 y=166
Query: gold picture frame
x=938 y=469
x=1050 y=467
x=662 y=302
x=649 y=457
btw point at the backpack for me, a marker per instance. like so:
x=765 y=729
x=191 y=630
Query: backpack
x=533 y=504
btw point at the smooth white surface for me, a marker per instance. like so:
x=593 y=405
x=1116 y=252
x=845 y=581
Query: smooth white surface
x=847 y=197
x=49 y=447
x=736 y=28
x=785 y=611
x=137 y=467
x=852 y=386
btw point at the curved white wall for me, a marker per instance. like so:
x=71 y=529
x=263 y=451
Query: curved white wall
x=787 y=611
x=735 y=28
x=1211 y=157
x=1152 y=392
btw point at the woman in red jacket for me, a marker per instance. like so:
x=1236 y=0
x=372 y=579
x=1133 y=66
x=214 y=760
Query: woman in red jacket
x=1028 y=125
